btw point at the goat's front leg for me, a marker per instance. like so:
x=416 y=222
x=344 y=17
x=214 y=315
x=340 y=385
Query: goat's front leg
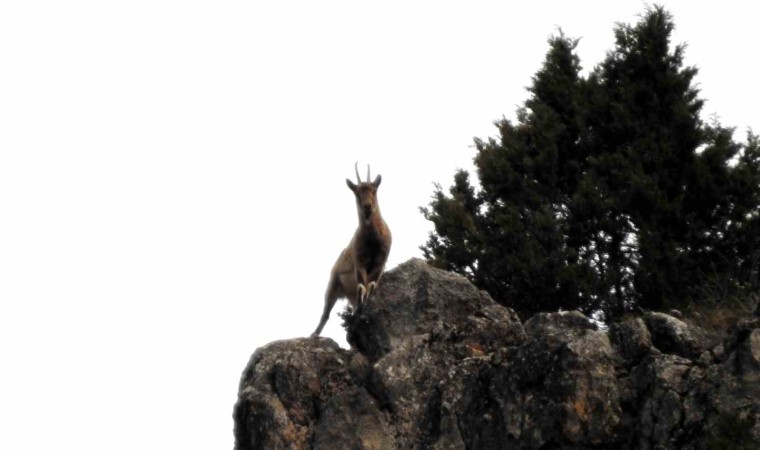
x=361 y=285
x=371 y=288
x=375 y=277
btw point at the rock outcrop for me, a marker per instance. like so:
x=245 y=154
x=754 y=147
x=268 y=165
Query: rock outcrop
x=436 y=363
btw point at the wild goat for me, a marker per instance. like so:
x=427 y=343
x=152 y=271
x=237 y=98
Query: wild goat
x=357 y=271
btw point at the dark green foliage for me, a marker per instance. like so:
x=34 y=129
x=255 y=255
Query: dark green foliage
x=647 y=130
x=608 y=192
x=510 y=237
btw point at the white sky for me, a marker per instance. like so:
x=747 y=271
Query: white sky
x=172 y=174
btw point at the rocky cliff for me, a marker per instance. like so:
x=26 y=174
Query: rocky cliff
x=437 y=364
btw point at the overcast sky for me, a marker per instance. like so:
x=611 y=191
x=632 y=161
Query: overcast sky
x=172 y=189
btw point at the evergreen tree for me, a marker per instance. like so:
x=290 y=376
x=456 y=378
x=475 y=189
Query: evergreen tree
x=743 y=228
x=669 y=174
x=456 y=244
x=608 y=192
x=510 y=239
x=647 y=131
x=726 y=237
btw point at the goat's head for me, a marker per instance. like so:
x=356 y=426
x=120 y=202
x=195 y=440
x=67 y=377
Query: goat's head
x=366 y=194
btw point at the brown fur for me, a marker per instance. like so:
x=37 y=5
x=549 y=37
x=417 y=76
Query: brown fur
x=358 y=269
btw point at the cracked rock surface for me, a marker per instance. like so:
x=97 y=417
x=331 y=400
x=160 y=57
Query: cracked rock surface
x=437 y=364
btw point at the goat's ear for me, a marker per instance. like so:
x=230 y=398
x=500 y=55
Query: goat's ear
x=351 y=185
x=377 y=181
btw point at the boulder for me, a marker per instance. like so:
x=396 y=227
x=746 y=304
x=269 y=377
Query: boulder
x=673 y=336
x=308 y=393
x=415 y=299
x=632 y=340
x=559 y=388
x=435 y=363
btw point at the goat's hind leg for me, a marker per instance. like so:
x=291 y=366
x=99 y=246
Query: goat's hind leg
x=331 y=296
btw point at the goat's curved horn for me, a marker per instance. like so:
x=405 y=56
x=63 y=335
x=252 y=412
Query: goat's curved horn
x=356 y=169
x=367 y=173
